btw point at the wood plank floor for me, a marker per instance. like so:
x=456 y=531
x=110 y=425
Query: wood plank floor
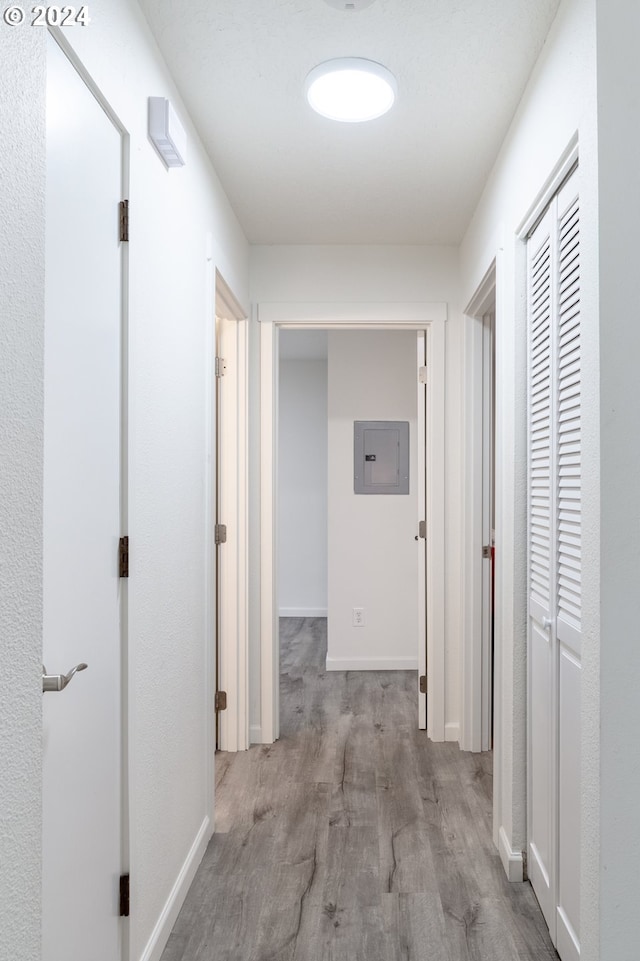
x=353 y=838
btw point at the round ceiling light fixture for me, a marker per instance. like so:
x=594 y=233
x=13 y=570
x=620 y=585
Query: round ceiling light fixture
x=351 y=89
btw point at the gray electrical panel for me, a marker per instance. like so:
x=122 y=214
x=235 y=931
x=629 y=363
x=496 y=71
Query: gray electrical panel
x=381 y=457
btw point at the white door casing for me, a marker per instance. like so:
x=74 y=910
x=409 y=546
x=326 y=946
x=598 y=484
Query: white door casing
x=82 y=766
x=554 y=552
x=232 y=512
x=423 y=614
x=426 y=317
x=477 y=660
x=488 y=526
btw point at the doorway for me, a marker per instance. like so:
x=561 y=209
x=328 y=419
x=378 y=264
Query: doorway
x=350 y=546
x=274 y=318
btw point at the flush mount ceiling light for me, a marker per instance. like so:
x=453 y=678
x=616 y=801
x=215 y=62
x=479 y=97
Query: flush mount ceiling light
x=351 y=89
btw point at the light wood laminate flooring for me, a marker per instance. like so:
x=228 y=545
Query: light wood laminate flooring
x=353 y=838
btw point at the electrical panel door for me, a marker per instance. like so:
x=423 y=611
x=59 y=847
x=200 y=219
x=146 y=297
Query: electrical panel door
x=381 y=457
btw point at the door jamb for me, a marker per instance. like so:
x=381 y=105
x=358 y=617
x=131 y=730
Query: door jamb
x=430 y=317
x=474 y=655
x=233 y=447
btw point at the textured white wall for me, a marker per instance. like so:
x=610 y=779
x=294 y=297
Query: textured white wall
x=373 y=559
x=560 y=100
x=171 y=312
x=22 y=161
x=368 y=274
x=302 y=488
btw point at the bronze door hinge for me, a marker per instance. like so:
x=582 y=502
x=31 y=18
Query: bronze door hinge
x=124 y=221
x=123 y=557
x=124 y=895
x=221 y=701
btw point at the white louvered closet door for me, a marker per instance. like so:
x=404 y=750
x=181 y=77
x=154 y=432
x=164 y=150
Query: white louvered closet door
x=554 y=554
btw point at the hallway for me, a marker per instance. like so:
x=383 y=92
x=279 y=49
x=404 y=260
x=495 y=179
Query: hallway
x=353 y=837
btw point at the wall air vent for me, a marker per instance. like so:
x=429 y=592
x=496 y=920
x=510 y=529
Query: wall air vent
x=167 y=133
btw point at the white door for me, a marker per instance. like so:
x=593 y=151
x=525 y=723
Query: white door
x=82 y=517
x=554 y=551
x=421 y=529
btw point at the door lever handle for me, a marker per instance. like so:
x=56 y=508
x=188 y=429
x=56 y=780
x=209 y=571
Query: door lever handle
x=58 y=682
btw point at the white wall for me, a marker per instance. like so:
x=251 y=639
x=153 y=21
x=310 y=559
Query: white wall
x=337 y=273
x=171 y=310
x=22 y=161
x=302 y=488
x=559 y=102
x=373 y=559
x=619 y=716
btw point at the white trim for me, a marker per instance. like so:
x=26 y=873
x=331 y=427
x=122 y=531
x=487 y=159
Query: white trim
x=422 y=506
x=568 y=160
x=234 y=505
x=485 y=293
x=568 y=943
x=452 y=731
x=430 y=317
x=512 y=861
x=372 y=664
x=210 y=572
x=474 y=654
x=303 y=612
x=227 y=304
x=344 y=314
x=269 y=647
x=169 y=914
x=435 y=531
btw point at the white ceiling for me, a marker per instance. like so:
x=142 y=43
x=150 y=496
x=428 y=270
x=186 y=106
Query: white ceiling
x=413 y=176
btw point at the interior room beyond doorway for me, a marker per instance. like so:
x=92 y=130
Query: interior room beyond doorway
x=350 y=558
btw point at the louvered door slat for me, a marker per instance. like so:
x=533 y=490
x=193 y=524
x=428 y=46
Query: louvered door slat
x=540 y=302
x=569 y=422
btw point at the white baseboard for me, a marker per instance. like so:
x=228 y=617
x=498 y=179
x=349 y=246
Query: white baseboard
x=512 y=861
x=169 y=914
x=372 y=664
x=303 y=612
x=568 y=946
x=452 y=731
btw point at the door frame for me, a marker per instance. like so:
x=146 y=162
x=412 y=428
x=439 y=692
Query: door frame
x=429 y=317
x=232 y=448
x=475 y=728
